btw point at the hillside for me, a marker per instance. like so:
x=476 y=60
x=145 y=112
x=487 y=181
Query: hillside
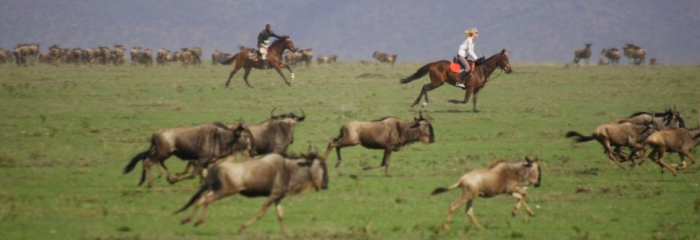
x=535 y=31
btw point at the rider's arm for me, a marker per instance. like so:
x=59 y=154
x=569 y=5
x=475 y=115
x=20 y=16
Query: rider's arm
x=470 y=44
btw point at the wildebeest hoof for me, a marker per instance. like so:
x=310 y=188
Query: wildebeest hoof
x=185 y=221
x=240 y=231
x=198 y=223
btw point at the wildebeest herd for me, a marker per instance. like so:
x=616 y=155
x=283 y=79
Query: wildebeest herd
x=251 y=159
x=636 y=55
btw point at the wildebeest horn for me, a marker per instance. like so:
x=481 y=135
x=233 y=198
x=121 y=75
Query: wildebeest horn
x=272 y=113
x=420 y=114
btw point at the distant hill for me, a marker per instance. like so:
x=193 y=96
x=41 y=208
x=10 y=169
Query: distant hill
x=416 y=30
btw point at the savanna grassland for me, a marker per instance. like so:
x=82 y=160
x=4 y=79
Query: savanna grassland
x=66 y=134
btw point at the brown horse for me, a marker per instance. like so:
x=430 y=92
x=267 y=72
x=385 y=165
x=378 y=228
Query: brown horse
x=440 y=73
x=274 y=60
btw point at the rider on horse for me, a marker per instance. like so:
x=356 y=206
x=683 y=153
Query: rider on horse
x=262 y=42
x=466 y=51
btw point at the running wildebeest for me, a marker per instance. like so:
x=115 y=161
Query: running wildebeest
x=635 y=54
x=275 y=134
x=671 y=118
x=384 y=57
x=679 y=140
x=619 y=134
x=202 y=143
x=499 y=178
x=584 y=53
x=440 y=74
x=327 y=59
x=274 y=60
x=390 y=134
x=273 y=176
x=612 y=54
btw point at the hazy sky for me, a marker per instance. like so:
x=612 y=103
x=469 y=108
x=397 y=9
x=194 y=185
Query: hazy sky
x=416 y=30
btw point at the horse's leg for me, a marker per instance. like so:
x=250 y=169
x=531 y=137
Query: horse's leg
x=277 y=68
x=423 y=91
x=468 y=94
x=260 y=214
x=245 y=77
x=476 y=96
x=233 y=72
x=290 y=70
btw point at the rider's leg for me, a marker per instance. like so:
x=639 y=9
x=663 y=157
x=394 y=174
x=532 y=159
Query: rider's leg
x=464 y=74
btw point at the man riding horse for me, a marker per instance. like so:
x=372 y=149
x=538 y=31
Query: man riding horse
x=263 y=42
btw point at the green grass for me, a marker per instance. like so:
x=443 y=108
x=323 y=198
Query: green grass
x=66 y=133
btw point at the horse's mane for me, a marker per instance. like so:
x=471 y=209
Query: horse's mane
x=283 y=38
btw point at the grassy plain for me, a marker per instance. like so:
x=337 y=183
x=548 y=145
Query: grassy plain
x=66 y=133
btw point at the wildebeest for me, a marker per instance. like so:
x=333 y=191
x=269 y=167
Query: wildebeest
x=671 y=118
x=612 y=54
x=202 y=143
x=635 y=54
x=584 y=53
x=273 y=176
x=389 y=133
x=275 y=134
x=118 y=55
x=306 y=57
x=499 y=178
x=619 y=135
x=215 y=56
x=327 y=59
x=679 y=140
x=162 y=56
x=384 y=57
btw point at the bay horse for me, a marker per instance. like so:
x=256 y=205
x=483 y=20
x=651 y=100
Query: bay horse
x=274 y=60
x=440 y=74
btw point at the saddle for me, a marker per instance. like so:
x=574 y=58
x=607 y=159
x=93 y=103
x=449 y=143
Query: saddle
x=457 y=68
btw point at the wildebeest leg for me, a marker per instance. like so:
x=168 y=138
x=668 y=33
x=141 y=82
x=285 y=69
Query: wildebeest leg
x=660 y=160
x=260 y=214
x=230 y=76
x=147 y=168
x=468 y=94
x=687 y=154
x=608 y=150
x=330 y=147
x=280 y=216
x=210 y=198
x=470 y=214
x=198 y=166
x=520 y=194
x=245 y=77
x=385 y=162
x=277 y=68
x=190 y=164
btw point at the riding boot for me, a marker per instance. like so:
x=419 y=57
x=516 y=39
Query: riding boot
x=262 y=64
x=462 y=79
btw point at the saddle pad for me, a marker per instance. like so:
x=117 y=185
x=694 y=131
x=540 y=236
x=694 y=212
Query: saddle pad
x=455 y=67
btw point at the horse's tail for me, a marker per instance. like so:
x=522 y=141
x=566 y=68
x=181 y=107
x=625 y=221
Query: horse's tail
x=230 y=60
x=444 y=189
x=579 y=137
x=212 y=182
x=419 y=74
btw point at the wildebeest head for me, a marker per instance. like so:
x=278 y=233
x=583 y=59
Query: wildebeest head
x=242 y=137
x=288 y=116
x=427 y=134
x=672 y=118
x=534 y=171
x=318 y=172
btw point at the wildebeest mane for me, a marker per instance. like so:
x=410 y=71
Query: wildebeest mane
x=382 y=119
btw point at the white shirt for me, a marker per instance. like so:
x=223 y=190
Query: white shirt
x=467 y=47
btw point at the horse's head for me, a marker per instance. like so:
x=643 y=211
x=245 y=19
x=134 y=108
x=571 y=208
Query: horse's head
x=503 y=61
x=287 y=43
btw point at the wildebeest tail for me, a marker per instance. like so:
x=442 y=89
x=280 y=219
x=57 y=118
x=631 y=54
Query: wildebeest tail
x=211 y=183
x=444 y=189
x=579 y=137
x=419 y=74
x=340 y=136
x=139 y=157
x=228 y=61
